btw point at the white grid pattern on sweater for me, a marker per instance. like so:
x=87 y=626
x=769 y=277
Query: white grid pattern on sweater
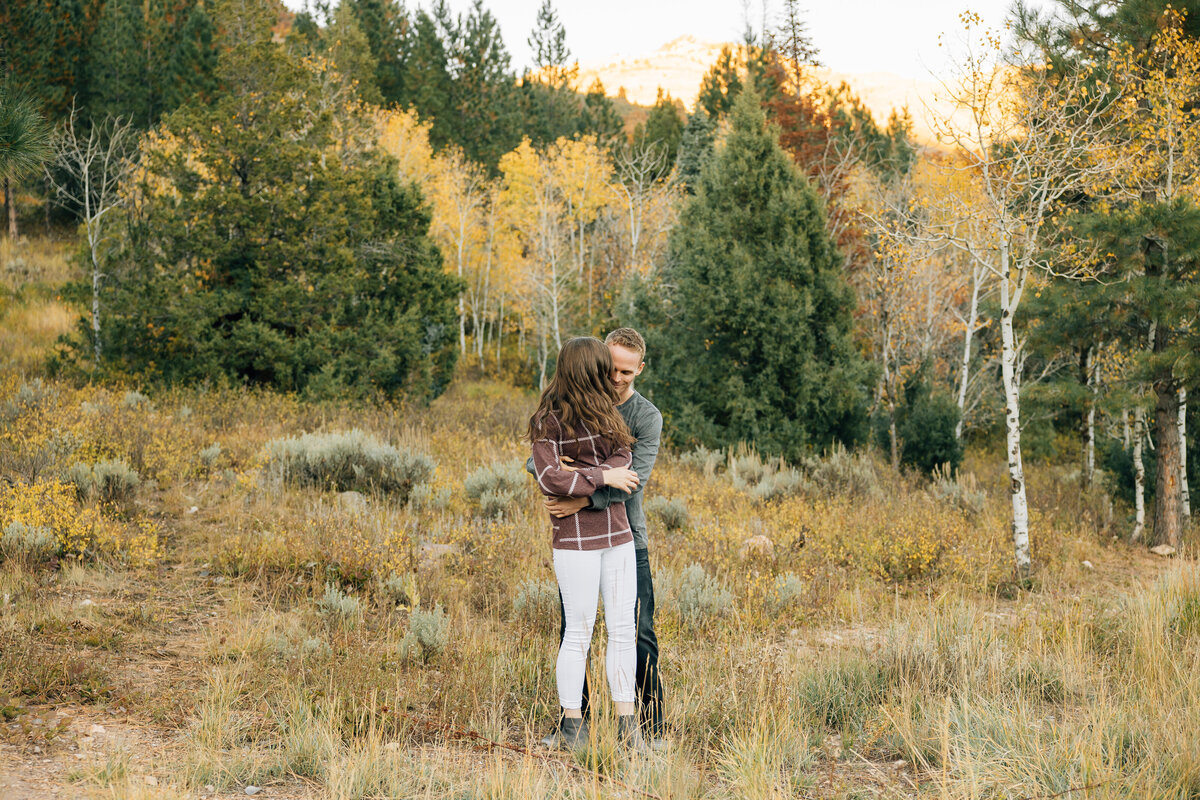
x=578 y=539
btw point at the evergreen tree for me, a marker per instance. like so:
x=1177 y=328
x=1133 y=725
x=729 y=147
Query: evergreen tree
x=1150 y=295
x=25 y=143
x=758 y=347
x=1089 y=31
x=385 y=25
x=148 y=58
x=927 y=422
x=695 y=149
x=429 y=87
x=662 y=131
x=277 y=249
x=548 y=41
x=720 y=85
x=352 y=55
x=118 y=67
x=487 y=116
x=600 y=118
x=549 y=105
x=191 y=74
x=42 y=52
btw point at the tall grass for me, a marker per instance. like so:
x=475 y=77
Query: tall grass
x=352 y=647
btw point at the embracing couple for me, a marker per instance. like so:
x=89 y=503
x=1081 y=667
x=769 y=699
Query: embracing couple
x=594 y=443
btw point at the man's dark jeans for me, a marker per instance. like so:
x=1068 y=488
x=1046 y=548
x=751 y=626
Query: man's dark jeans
x=650 y=693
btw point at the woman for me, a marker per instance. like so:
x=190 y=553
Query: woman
x=577 y=421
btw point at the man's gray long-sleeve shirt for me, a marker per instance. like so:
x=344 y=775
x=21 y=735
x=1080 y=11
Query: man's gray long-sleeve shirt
x=645 y=423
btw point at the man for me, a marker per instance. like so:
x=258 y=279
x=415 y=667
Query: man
x=628 y=350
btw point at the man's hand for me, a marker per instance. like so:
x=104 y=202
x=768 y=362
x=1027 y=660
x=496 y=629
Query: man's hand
x=565 y=462
x=564 y=506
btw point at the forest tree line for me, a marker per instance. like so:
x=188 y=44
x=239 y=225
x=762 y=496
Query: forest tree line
x=358 y=198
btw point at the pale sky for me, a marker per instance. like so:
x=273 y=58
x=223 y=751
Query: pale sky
x=852 y=35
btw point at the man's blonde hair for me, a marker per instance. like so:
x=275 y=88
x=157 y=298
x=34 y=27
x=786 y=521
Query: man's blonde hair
x=629 y=339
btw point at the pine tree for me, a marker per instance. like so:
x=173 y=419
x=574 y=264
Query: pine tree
x=282 y=249
x=549 y=105
x=385 y=25
x=548 y=41
x=41 y=55
x=42 y=50
x=662 y=131
x=1153 y=271
x=429 y=87
x=695 y=149
x=118 y=68
x=599 y=118
x=758 y=348
x=24 y=143
x=352 y=56
x=720 y=86
x=487 y=123
x=192 y=64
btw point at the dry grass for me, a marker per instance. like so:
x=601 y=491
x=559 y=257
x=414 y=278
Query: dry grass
x=902 y=638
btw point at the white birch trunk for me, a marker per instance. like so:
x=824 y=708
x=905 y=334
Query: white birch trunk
x=1012 y=419
x=1139 y=477
x=1185 y=509
x=92 y=227
x=499 y=331
x=96 y=306
x=542 y=356
x=965 y=371
x=1089 y=423
x=1089 y=463
x=462 y=313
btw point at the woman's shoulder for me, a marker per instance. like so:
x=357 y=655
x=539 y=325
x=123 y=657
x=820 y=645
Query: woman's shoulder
x=549 y=424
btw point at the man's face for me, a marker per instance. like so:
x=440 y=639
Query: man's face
x=627 y=365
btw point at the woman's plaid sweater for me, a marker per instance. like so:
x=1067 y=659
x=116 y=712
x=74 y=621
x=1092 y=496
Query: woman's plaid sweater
x=592 y=454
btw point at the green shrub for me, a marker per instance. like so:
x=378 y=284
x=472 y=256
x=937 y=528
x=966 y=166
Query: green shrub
x=428 y=634
x=347 y=461
x=497 y=489
x=339 y=607
x=746 y=469
x=321 y=277
x=107 y=481
x=135 y=400
x=703 y=459
x=962 y=493
x=33 y=544
x=764 y=480
x=673 y=513
x=209 y=456
x=424 y=496
x=28 y=397
x=843 y=473
x=536 y=603
x=399 y=588
x=789 y=590
x=316 y=648
x=783 y=483
x=701 y=597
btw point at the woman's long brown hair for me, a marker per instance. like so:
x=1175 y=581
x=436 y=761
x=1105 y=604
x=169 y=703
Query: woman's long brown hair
x=581 y=394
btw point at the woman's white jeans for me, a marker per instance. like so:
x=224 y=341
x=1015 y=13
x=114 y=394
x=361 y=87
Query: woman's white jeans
x=582 y=575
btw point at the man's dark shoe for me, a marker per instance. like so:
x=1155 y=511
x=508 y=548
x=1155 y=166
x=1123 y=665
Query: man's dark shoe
x=573 y=733
x=629 y=734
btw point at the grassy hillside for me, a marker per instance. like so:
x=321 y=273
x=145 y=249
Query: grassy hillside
x=188 y=611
